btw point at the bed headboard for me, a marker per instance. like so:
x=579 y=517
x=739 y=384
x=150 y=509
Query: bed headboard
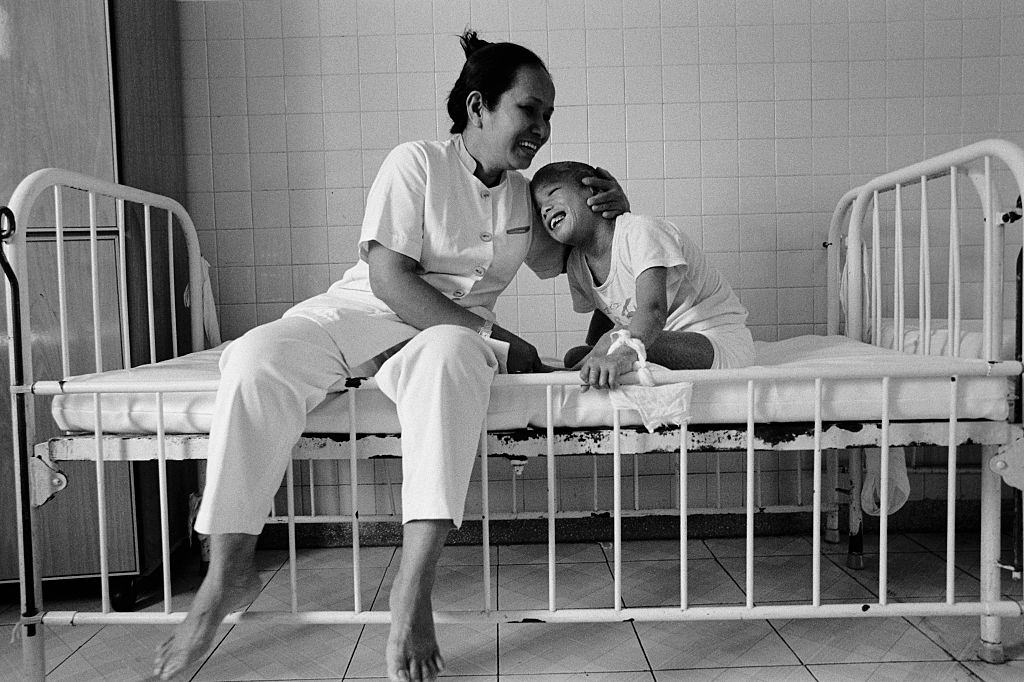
x=90 y=214
x=870 y=282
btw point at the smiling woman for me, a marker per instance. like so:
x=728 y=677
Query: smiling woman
x=446 y=227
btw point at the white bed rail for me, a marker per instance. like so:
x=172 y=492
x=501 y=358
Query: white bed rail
x=864 y=264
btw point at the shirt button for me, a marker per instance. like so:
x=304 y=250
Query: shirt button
x=485 y=236
x=478 y=271
x=458 y=293
x=485 y=195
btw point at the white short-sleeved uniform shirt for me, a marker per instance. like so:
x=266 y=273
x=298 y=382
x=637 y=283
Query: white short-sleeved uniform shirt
x=469 y=241
x=698 y=297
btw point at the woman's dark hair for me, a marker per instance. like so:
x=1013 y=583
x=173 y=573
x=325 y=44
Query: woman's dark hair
x=490 y=68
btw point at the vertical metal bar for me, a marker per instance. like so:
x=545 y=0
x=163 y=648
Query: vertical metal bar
x=353 y=482
x=883 y=514
x=899 y=321
x=150 y=306
x=62 y=303
x=951 y=494
x=485 y=515
x=816 y=514
x=989 y=281
x=799 y=478
x=292 y=559
x=876 y=272
x=165 y=529
x=684 y=504
x=593 y=478
x=550 y=413
x=170 y=284
x=95 y=281
x=750 y=494
x=953 y=275
x=122 y=286
x=924 y=304
x=101 y=503
x=617 y=507
x=991 y=573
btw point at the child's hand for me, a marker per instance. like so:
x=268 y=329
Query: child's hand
x=609 y=200
x=602 y=371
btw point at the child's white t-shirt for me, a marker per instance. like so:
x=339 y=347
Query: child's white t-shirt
x=698 y=296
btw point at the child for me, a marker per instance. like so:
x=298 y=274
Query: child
x=646 y=277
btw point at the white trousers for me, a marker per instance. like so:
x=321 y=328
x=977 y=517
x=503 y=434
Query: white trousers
x=276 y=373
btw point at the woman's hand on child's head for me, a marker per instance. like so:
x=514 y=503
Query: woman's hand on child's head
x=609 y=200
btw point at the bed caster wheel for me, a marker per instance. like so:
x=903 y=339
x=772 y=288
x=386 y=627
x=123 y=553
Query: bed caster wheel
x=855 y=561
x=124 y=594
x=991 y=653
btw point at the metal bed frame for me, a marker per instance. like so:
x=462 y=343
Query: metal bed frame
x=1002 y=442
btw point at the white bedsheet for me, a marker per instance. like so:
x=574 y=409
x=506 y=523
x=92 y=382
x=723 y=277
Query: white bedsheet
x=971 y=337
x=518 y=407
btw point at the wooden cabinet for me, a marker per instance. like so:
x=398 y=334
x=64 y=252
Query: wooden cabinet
x=92 y=86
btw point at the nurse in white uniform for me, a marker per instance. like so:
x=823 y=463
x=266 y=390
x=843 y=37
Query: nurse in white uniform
x=446 y=227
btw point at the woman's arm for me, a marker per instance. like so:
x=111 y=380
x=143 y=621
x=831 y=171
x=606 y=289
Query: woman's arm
x=394 y=281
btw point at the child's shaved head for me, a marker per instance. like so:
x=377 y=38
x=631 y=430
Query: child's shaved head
x=569 y=172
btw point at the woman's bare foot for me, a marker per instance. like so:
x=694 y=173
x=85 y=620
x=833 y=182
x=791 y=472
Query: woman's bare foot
x=412 y=654
x=231 y=584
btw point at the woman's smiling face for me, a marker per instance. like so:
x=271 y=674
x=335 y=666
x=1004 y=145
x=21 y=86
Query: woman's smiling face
x=519 y=125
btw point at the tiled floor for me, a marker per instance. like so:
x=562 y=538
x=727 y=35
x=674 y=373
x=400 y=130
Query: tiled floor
x=862 y=649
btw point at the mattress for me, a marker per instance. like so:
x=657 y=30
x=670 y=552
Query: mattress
x=515 y=407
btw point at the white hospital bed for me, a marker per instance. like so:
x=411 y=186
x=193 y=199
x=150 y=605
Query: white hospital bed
x=841 y=391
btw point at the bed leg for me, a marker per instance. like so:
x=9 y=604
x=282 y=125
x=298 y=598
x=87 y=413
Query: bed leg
x=990 y=647
x=829 y=487
x=855 y=551
x=33 y=652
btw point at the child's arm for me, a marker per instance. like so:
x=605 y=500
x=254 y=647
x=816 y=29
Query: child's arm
x=602 y=371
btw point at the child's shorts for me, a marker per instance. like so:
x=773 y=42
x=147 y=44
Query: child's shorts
x=734 y=346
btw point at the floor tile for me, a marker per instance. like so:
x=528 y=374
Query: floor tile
x=467 y=650
x=459 y=555
x=765 y=545
x=119 y=652
x=936 y=542
x=60 y=643
x=565 y=552
x=959 y=635
x=891 y=672
x=860 y=640
x=537 y=649
x=788 y=579
x=621 y=676
x=897 y=542
x=263 y=651
x=659 y=550
x=781 y=673
x=656 y=583
x=914 y=575
x=341 y=557
x=1005 y=672
x=585 y=585
x=456 y=588
x=326 y=589
x=713 y=644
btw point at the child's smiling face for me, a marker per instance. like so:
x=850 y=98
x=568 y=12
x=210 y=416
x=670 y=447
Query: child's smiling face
x=564 y=211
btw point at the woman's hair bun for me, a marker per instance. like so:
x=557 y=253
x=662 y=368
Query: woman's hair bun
x=471 y=42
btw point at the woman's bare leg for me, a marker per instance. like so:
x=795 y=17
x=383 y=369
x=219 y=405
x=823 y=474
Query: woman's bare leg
x=412 y=653
x=231 y=583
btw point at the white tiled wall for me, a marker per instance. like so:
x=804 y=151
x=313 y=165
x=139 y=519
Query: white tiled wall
x=743 y=121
